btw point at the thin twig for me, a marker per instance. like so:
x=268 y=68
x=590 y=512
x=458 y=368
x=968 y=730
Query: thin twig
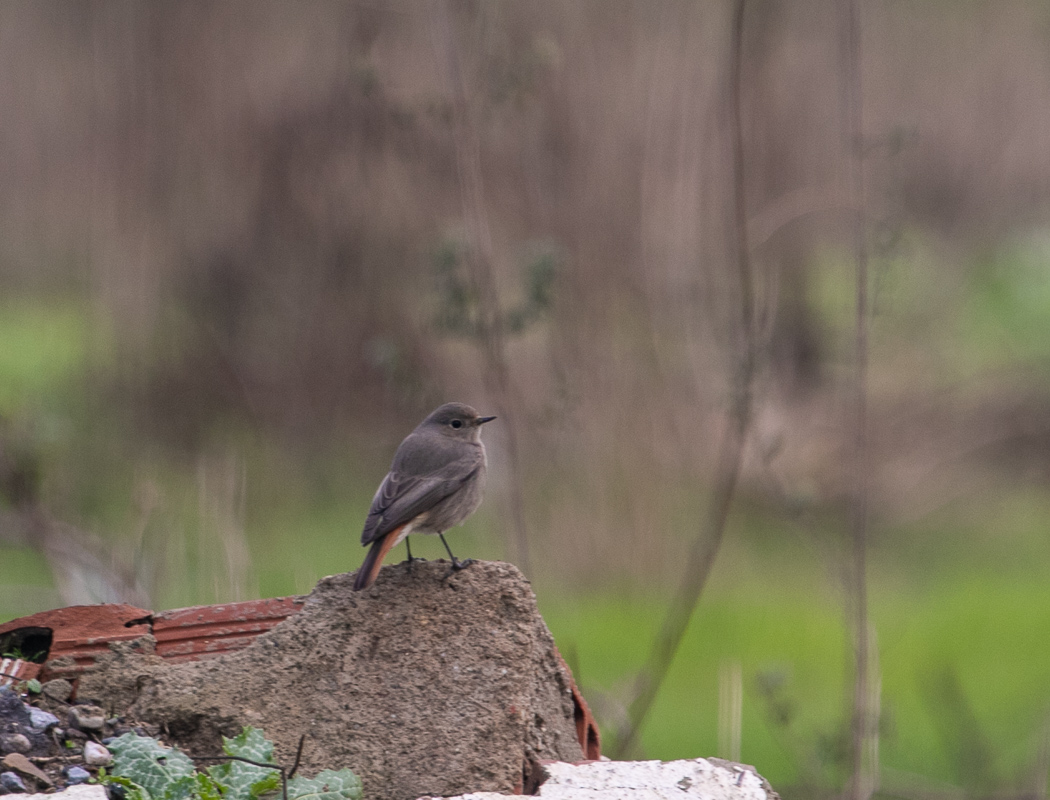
x=298 y=756
x=863 y=727
x=52 y=759
x=705 y=547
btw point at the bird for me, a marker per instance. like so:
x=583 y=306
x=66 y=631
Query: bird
x=435 y=482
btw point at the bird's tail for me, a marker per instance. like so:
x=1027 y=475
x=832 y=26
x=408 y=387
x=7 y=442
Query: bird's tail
x=369 y=569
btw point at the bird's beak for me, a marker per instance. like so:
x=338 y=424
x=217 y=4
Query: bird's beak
x=483 y=420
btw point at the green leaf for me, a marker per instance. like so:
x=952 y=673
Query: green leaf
x=132 y=790
x=206 y=788
x=183 y=788
x=33 y=686
x=150 y=771
x=251 y=743
x=328 y=785
x=241 y=781
x=159 y=770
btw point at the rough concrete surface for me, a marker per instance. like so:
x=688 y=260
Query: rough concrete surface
x=424 y=684
x=710 y=779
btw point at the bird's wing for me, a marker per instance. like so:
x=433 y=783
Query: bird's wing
x=401 y=498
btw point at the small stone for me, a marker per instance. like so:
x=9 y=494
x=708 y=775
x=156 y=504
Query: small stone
x=12 y=709
x=77 y=775
x=95 y=755
x=59 y=689
x=41 y=720
x=14 y=743
x=75 y=735
x=11 y=783
x=87 y=718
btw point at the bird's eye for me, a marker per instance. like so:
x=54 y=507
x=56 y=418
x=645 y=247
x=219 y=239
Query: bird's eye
x=456 y=423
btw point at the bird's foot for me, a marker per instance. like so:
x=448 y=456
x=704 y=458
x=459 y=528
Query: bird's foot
x=412 y=560
x=458 y=565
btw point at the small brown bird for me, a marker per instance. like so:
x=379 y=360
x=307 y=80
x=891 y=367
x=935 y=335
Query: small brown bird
x=434 y=484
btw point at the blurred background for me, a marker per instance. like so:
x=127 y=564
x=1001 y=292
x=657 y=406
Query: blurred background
x=247 y=246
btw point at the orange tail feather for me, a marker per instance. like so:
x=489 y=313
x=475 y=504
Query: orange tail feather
x=369 y=569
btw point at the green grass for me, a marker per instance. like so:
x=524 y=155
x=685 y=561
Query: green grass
x=964 y=658
x=41 y=349
x=986 y=634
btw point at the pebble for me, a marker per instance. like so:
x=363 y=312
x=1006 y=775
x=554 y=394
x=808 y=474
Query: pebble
x=12 y=783
x=87 y=718
x=59 y=689
x=77 y=775
x=41 y=720
x=95 y=755
x=9 y=698
x=15 y=743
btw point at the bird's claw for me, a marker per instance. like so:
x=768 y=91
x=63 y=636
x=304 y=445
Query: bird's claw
x=458 y=565
x=411 y=561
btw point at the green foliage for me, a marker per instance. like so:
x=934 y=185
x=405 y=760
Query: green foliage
x=207 y=788
x=460 y=312
x=161 y=771
x=132 y=791
x=149 y=770
x=243 y=781
x=328 y=785
x=538 y=276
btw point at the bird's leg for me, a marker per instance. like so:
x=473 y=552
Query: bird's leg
x=410 y=559
x=457 y=565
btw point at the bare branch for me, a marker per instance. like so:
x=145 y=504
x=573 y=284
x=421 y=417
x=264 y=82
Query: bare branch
x=864 y=727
